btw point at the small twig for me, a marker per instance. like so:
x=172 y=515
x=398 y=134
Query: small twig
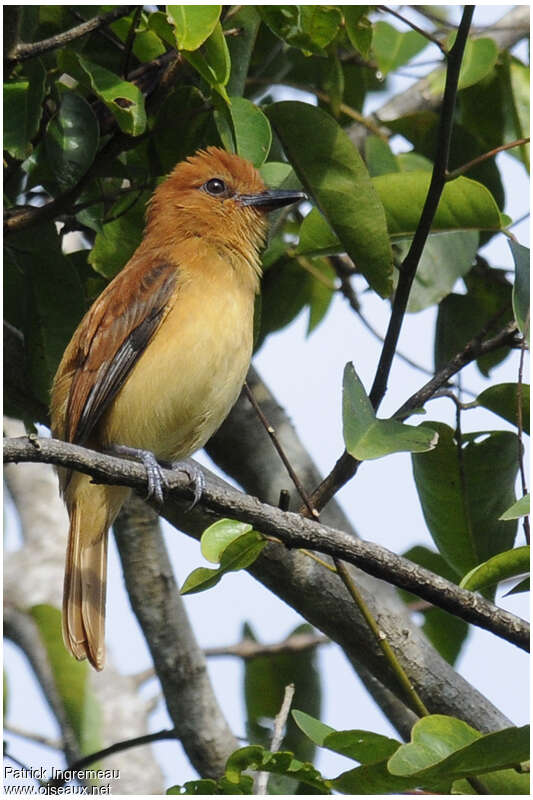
x=414 y=700
x=129 y=42
x=345 y=109
x=25 y=50
x=117 y=747
x=275 y=441
x=416 y=28
x=54 y=744
x=248 y=649
x=455 y=173
x=261 y=779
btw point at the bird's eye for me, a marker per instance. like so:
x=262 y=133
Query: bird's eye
x=215 y=186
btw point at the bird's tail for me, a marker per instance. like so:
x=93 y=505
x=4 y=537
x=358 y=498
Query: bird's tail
x=92 y=510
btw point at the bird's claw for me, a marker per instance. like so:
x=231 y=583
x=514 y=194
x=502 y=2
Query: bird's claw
x=154 y=476
x=196 y=477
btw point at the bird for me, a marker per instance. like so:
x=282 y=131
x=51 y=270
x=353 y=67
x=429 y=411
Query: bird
x=159 y=359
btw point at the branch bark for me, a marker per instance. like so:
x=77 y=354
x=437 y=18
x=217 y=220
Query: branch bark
x=24 y=50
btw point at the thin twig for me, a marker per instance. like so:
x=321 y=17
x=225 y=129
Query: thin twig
x=128 y=45
x=455 y=173
x=416 y=28
x=25 y=50
x=275 y=441
x=414 y=700
x=261 y=779
x=117 y=747
x=54 y=744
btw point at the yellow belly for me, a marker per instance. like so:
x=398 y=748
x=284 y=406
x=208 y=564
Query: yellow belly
x=186 y=381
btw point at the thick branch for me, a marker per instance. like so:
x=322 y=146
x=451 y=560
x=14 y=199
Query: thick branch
x=292 y=529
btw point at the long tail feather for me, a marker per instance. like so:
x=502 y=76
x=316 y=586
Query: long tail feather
x=92 y=509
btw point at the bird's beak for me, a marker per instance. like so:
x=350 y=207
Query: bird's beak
x=270 y=199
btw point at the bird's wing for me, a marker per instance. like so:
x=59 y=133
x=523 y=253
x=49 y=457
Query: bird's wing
x=112 y=337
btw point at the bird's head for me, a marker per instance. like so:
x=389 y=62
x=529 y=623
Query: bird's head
x=218 y=196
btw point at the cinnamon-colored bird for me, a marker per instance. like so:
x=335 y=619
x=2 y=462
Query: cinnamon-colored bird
x=160 y=358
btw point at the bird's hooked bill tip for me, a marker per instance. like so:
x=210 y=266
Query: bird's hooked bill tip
x=271 y=199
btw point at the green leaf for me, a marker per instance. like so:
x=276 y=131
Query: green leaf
x=120 y=238
x=462 y=317
x=501 y=783
x=281 y=763
x=392 y=49
x=200 y=579
x=54 y=301
x=193 y=24
x=464 y=205
x=479 y=58
x=212 y=61
x=372 y=779
x=180 y=126
x=464 y=491
x=363 y=746
x=124 y=100
x=217 y=536
x=379 y=158
x=251 y=128
x=448 y=747
x=238 y=554
x=71 y=140
x=71 y=679
x=518 y=509
x=515 y=95
x=502 y=399
x=446 y=632
x=313 y=728
x=500 y=567
x=23 y=100
x=445 y=258
x=310 y=28
x=321 y=291
x=316 y=236
x=359 y=28
x=521 y=287
x=422 y=129
x=241 y=47
x=367 y=437
x=332 y=170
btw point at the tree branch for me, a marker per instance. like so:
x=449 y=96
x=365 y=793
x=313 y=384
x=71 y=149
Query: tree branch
x=24 y=50
x=290 y=528
x=179 y=662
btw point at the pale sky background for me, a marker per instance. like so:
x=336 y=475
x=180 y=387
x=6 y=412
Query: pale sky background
x=305 y=375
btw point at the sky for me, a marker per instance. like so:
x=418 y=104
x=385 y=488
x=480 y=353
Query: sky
x=305 y=375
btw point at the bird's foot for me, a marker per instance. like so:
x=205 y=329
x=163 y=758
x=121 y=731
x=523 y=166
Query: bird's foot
x=196 y=477
x=155 y=479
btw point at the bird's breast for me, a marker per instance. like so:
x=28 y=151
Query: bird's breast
x=191 y=372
